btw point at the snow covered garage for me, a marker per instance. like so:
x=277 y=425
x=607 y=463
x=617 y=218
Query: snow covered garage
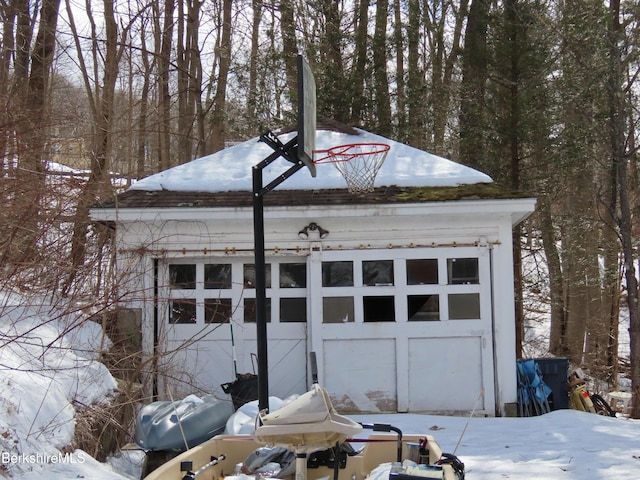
x=404 y=293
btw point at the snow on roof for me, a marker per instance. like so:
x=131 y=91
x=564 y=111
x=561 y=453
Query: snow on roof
x=231 y=169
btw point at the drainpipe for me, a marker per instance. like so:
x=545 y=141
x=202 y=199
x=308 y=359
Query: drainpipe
x=154 y=358
x=496 y=377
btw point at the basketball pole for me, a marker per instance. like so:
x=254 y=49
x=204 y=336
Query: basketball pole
x=287 y=151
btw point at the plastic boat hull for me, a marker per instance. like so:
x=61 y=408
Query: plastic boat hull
x=380 y=448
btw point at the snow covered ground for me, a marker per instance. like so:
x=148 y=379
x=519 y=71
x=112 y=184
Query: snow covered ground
x=48 y=362
x=565 y=444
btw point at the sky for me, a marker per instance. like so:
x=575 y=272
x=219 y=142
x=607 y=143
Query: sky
x=48 y=362
x=231 y=169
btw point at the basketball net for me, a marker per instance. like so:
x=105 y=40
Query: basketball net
x=358 y=163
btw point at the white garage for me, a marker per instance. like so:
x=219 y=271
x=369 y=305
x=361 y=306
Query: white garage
x=405 y=293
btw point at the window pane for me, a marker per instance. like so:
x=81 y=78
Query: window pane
x=293 y=309
x=422 y=272
x=423 y=308
x=182 y=276
x=337 y=274
x=250 y=310
x=462 y=271
x=379 y=309
x=464 y=306
x=217 y=275
x=379 y=272
x=293 y=275
x=250 y=275
x=182 y=311
x=217 y=310
x=337 y=310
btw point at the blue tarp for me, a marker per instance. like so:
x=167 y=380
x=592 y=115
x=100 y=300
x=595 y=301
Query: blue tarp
x=533 y=393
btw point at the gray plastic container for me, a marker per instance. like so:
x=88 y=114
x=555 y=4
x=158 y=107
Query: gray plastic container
x=160 y=425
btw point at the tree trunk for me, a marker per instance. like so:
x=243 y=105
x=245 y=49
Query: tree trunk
x=164 y=96
x=252 y=94
x=7 y=46
x=401 y=94
x=443 y=87
x=473 y=86
x=580 y=256
x=32 y=69
x=142 y=137
x=195 y=111
x=360 y=46
x=379 y=51
x=184 y=122
x=337 y=93
x=415 y=79
x=289 y=49
x=103 y=109
x=619 y=160
x=219 y=100
x=558 y=328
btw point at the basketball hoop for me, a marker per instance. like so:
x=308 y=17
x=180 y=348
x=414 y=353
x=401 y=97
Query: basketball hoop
x=358 y=163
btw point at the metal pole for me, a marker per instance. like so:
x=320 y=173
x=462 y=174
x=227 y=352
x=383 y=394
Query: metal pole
x=259 y=191
x=261 y=291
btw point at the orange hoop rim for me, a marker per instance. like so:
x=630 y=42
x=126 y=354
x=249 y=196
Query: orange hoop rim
x=341 y=153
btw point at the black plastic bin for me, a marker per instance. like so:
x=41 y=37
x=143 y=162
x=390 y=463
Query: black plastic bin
x=554 y=374
x=243 y=389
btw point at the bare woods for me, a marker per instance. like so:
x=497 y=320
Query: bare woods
x=541 y=95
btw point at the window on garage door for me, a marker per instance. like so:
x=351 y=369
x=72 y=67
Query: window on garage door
x=370 y=288
x=206 y=291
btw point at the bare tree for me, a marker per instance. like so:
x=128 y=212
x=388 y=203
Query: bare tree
x=102 y=110
x=443 y=62
x=220 y=98
x=473 y=86
x=360 y=54
x=415 y=81
x=620 y=164
x=289 y=47
x=401 y=94
x=164 y=40
x=381 y=80
x=26 y=123
x=252 y=94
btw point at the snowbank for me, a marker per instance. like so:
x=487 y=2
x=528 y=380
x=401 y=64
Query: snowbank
x=47 y=363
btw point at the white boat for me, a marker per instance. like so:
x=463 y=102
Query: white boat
x=306 y=427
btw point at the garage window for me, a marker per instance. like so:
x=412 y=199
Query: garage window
x=464 y=306
x=422 y=271
x=293 y=275
x=379 y=309
x=217 y=276
x=217 y=310
x=250 y=310
x=337 y=274
x=293 y=310
x=249 y=275
x=182 y=311
x=377 y=273
x=182 y=277
x=337 y=310
x=423 y=308
x=462 y=271
x=396 y=289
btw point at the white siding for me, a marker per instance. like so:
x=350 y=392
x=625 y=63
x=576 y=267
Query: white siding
x=400 y=365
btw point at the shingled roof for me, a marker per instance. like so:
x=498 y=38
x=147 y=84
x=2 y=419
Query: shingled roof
x=223 y=179
x=393 y=194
